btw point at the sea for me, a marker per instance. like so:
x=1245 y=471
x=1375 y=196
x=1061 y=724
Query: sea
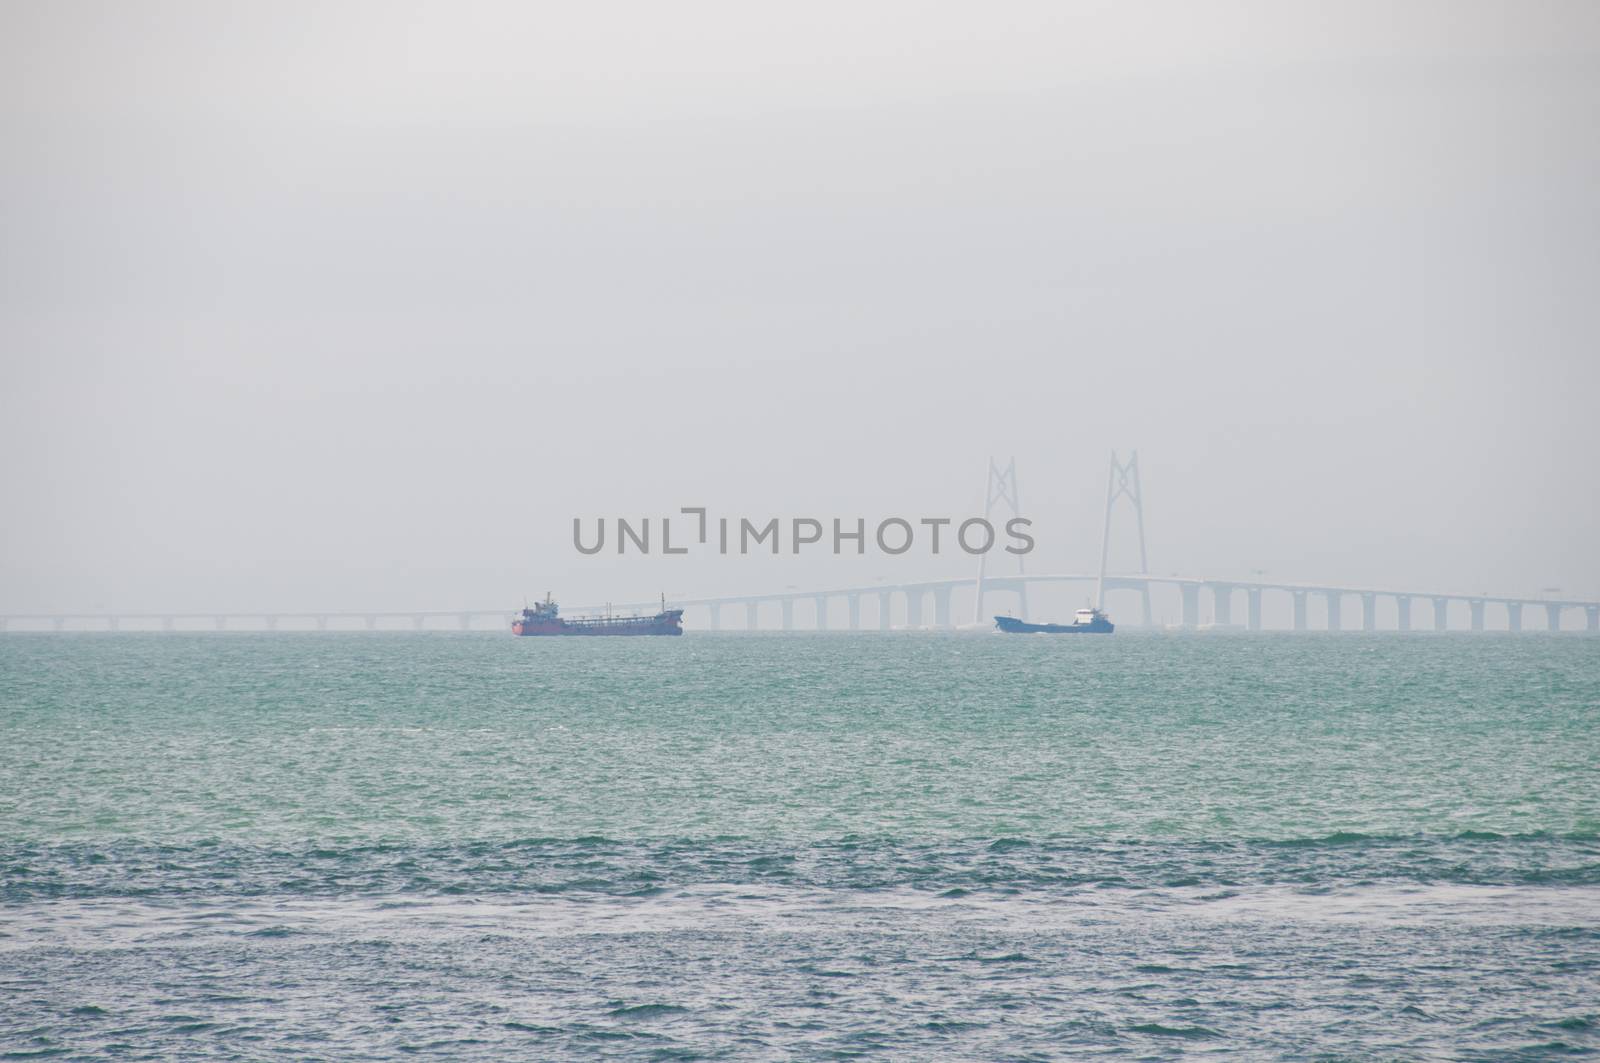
x=800 y=846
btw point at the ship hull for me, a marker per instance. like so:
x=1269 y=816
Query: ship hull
x=1012 y=626
x=667 y=623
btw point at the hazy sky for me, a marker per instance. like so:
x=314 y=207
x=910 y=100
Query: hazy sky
x=358 y=305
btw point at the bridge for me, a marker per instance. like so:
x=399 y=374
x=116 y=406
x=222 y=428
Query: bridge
x=906 y=605
x=306 y=620
x=1123 y=485
x=928 y=605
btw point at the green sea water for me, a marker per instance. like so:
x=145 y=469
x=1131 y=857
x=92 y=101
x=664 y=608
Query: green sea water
x=811 y=845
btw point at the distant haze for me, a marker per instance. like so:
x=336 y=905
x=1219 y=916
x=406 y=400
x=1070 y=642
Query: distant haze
x=347 y=305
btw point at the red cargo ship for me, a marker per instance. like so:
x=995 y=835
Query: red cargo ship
x=545 y=619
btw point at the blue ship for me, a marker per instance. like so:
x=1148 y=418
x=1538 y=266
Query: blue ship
x=1084 y=622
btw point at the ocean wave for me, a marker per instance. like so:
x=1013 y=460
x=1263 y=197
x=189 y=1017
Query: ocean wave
x=953 y=868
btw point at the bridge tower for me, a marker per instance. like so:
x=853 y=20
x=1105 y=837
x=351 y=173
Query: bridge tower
x=1001 y=487
x=1123 y=482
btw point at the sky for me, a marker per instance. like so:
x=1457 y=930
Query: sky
x=358 y=306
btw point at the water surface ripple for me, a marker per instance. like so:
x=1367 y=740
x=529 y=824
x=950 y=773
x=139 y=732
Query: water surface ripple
x=815 y=846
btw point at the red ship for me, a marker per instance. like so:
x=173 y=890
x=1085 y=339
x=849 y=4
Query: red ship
x=545 y=619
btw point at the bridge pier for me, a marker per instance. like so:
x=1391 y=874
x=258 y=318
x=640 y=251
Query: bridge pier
x=788 y=614
x=1299 y=609
x=854 y=602
x=715 y=622
x=371 y=622
x=464 y=621
x=1369 y=612
x=1552 y=616
x=166 y=624
x=1514 y=616
x=1252 y=607
x=914 y=609
x=416 y=623
x=114 y=623
x=822 y=612
x=1477 y=613
x=1222 y=603
x=1592 y=617
x=752 y=613
x=322 y=623
x=941 y=608
x=883 y=610
x=1335 y=603
x=1191 y=604
x=1402 y=603
x=1441 y=614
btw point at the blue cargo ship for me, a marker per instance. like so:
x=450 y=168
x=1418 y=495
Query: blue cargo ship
x=545 y=619
x=1084 y=622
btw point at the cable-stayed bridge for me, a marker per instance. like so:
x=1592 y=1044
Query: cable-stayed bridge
x=942 y=604
x=1472 y=611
